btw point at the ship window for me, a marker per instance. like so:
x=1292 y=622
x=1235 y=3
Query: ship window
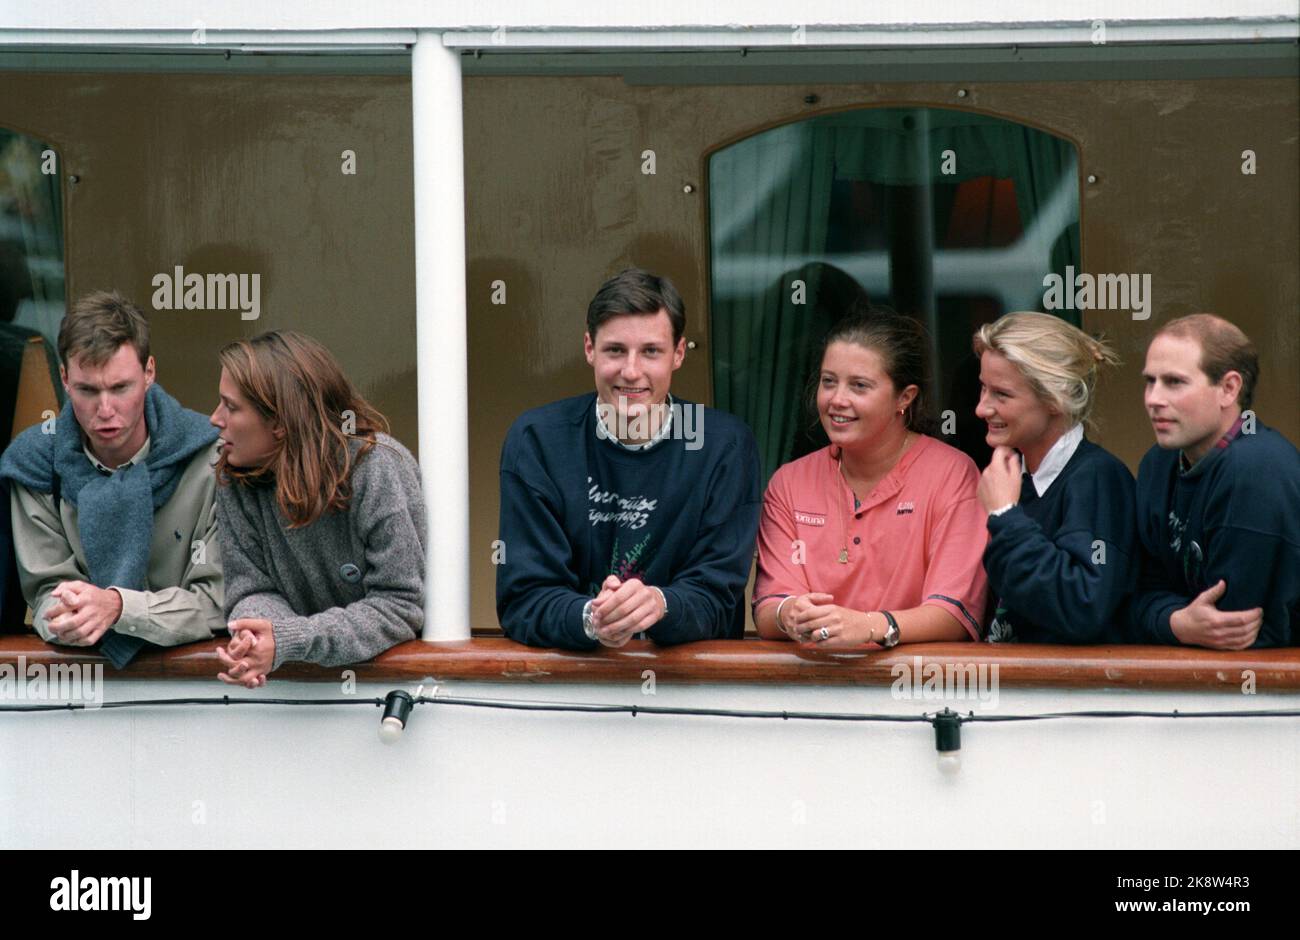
x=31 y=279
x=949 y=216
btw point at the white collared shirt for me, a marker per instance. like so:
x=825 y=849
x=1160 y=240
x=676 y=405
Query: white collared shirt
x=662 y=433
x=140 y=455
x=1055 y=459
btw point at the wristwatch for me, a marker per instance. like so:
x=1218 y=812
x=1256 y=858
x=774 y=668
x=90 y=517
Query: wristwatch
x=890 y=639
x=588 y=626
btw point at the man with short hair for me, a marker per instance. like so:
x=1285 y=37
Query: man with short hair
x=626 y=511
x=1218 y=499
x=114 y=510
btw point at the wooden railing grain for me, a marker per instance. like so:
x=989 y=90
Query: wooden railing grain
x=496 y=659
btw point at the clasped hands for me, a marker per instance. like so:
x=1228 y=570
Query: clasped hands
x=82 y=613
x=249 y=655
x=624 y=608
x=805 y=616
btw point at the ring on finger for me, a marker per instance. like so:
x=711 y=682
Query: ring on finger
x=825 y=634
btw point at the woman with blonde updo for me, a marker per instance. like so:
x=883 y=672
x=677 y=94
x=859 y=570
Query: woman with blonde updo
x=1061 y=559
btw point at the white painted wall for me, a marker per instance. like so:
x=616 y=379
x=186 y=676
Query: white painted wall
x=666 y=24
x=460 y=777
x=340 y=14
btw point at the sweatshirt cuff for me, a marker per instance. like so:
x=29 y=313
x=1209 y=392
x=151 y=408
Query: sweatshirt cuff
x=135 y=612
x=573 y=626
x=1011 y=519
x=669 y=622
x=669 y=629
x=1164 y=632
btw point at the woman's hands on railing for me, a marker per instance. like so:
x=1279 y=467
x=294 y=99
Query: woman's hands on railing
x=249 y=655
x=813 y=620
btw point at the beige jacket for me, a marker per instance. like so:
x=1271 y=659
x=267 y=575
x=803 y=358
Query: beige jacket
x=183 y=598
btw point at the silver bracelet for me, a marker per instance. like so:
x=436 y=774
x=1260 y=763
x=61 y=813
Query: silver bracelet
x=779 y=625
x=663 y=597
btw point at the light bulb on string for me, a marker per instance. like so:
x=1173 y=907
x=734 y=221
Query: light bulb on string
x=397 y=710
x=947 y=741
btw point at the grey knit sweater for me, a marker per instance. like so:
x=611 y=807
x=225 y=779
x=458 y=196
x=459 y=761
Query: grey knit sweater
x=343 y=589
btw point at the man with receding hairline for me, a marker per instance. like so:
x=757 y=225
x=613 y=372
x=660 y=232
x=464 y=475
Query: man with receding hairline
x=1218 y=499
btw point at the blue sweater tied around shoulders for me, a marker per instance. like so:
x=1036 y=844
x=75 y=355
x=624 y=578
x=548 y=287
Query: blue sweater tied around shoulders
x=114 y=512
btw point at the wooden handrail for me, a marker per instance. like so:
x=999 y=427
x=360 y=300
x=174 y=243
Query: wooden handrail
x=496 y=659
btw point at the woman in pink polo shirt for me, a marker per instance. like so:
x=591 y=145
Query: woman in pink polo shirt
x=879 y=537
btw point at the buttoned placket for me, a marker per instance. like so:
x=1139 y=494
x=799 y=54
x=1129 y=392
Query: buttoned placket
x=888 y=487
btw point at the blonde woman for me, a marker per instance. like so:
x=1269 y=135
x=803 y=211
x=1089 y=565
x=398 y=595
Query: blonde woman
x=319 y=514
x=1062 y=554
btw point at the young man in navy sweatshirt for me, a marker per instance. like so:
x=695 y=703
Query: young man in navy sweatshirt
x=627 y=511
x=1218 y=499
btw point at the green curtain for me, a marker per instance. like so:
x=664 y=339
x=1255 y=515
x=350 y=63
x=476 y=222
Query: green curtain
x=31 y=258
x=770 y=199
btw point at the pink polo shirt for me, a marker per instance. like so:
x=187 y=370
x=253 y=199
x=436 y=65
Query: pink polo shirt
x=918 y=538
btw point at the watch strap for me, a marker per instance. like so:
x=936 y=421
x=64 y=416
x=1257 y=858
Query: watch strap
x=890 y=639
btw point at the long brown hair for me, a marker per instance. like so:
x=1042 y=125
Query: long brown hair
x=298 y=386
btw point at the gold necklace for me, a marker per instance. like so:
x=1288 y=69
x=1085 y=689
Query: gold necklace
x=844 y=529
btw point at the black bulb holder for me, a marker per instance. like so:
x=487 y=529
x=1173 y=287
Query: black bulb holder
x=398 y=704
x=947 y=731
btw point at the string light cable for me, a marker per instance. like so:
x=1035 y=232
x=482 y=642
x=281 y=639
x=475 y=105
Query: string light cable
x=398 y=706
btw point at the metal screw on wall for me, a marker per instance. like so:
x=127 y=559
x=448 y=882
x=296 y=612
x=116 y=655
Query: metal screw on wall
x=690 y=344
x=688 y=189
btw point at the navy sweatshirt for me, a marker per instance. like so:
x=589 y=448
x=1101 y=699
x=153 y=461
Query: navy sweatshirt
x=1061 y=565
x=576 y=508
x=1235 y=515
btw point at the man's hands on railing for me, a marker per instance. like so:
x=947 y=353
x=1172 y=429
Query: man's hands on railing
x=1200 y=623
x=623 y=609
x=83 y=613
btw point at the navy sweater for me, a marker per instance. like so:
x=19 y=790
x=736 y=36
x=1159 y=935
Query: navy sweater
x=1235 y=515
x=576 y=508
x=1063 y=564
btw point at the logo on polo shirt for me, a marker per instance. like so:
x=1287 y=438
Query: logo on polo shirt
x=809 y=518
x=905 y=508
